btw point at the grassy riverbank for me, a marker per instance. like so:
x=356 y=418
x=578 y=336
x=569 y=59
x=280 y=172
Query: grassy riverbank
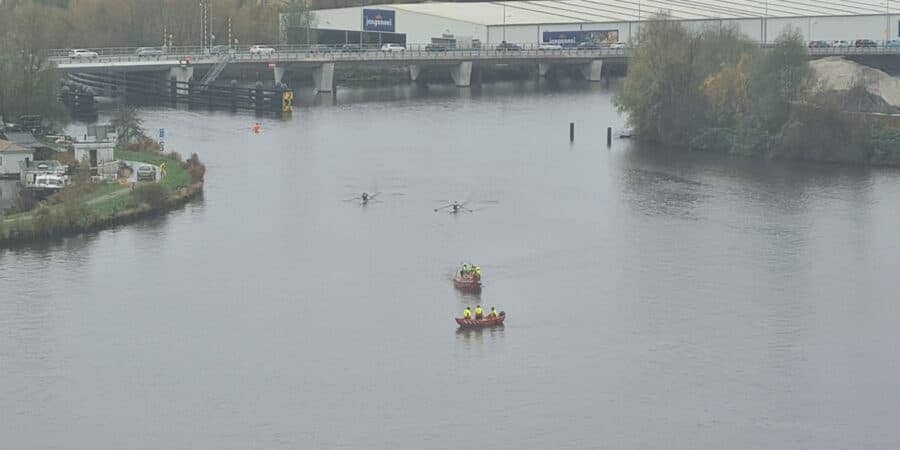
x=85 y=205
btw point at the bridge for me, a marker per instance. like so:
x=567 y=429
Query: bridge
x=180 y=63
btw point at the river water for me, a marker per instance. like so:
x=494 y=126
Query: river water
x=654 y=299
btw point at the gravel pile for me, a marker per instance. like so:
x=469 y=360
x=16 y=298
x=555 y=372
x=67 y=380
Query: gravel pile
x=838 y=74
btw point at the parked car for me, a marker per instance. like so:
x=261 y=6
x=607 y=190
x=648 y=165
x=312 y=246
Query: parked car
x=220 y=50
x=435 y=48
x=148 y=51
x=146 y=172
x=261 y=50
x=507 y=47
x=351 y=48
x=618 y=45
x=819 y=44
x=589 y=46
x=841 y=44
x=321 y=48
x=393 y=48
x=865 y=43
x=546 y=46
x=82 y=53
x=894 y=43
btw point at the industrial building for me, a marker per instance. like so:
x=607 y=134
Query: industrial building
x=569 y=21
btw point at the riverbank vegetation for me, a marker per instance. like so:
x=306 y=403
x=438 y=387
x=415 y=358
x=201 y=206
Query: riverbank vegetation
x=87 y=204
x=716 y=90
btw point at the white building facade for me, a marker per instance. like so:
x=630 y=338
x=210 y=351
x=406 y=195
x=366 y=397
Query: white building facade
x=529 y=22
x=11 y=158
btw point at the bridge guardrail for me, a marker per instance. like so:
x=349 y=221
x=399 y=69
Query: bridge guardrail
x=299 y=53
x=363 y=55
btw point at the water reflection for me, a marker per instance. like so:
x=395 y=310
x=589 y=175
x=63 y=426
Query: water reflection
x=477 y=336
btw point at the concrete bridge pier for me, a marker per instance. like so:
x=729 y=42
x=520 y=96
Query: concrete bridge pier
x=544 y=69
x=323 y=76
x=278 y=71
x=592 y=70
x=462 y=74
x=182 y=74
x=414 y=71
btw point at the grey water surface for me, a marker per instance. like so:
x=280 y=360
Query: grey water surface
x=654 y=299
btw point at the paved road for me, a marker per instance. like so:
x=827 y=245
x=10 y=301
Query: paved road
x=135 y=164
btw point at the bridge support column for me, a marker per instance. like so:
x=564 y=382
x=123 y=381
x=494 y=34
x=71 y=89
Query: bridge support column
x=462 y=74
x=544 y=69
x=592 y=70
x=323 y=76
x=414 y=71
x=182 y=75
x=278 y=71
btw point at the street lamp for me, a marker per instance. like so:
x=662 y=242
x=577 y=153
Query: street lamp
x=504 y=22
x=887 y=21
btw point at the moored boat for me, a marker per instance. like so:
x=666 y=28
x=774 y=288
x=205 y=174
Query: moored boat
x=481 y=323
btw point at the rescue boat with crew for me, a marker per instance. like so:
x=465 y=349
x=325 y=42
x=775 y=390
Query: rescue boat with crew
x=488 y=321
x=468 y=282
x=468 y=278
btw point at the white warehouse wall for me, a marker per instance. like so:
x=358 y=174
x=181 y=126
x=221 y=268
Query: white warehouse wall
x=812 y=28
x=525 y=34
x=419 y=28
x=340 y=19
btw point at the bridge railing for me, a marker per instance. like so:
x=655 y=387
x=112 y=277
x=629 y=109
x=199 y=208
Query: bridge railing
x=424 y=52
x=842 y=51
x=323 y=54
x=313 y=48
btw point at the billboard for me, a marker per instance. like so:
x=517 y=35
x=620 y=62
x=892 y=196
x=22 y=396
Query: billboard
x=379 y=20
x=573 y=38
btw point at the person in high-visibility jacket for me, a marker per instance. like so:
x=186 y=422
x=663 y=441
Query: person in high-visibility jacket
x=467 y=314
x=479 y=313
x=493 y=313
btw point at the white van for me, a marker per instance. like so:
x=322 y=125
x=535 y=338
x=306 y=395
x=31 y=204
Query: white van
x=393 y=48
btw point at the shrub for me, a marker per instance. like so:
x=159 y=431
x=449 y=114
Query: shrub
x=43 y=220
x=152 y=194
x=883 y=144
x=25 y=201
x=196 y=168
x=714 y=140
x=144 y=144
x=70 y=216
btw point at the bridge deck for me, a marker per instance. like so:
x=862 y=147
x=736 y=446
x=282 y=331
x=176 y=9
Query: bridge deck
x=135 y=63
x=124 y=59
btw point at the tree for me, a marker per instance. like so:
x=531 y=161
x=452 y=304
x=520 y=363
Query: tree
x=29 y=81
x=127 y=125
x=297 y=21
x=663 y=91
x=782 y=77
x=726 y=91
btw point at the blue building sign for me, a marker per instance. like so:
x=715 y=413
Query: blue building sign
x=573 y=38
x=379 y=20
x=564 y=38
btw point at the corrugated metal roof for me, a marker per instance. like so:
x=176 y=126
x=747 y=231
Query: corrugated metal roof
x=6 y=146
x=591 y=11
